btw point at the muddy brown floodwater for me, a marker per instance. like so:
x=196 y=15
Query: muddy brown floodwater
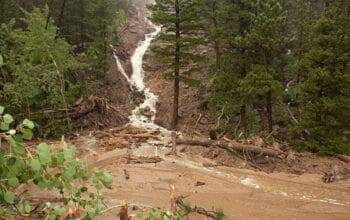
x=242 y=194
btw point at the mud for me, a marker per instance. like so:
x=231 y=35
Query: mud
x=241 y=193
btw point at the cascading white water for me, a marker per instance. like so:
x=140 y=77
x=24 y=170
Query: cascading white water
x=136 y=80
x=137 y=119
x=120 y=67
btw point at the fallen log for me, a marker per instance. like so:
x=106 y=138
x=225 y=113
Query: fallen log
x=195 y=142
x=142 y=160
x=199 y=210
x=343 y=158
x=102 y=134
x=230 y=146
x=137 y=136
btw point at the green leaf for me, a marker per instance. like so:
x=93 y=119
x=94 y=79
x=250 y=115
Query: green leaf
x=17 y=148
x=1 y=60
x=29 y=124
x=2 y=109
x=69 y=153
x=8 y=118
x=25 y=207
x=13 y=182
x=106 y=179
x=4 y=126
x=69 y=172
x=43 y=151
x=9 y=197
x=35 y=165
x=59 y=210
x=27 y=134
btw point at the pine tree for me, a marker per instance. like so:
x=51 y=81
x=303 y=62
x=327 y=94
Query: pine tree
x=211 y=12
x=325 y=93
x=265 y=41
x=180 y=24
x=255 y=41
x=225 y=99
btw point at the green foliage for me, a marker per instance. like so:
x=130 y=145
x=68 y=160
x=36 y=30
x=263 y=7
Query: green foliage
x=325 y=92
x=1 y=61
x=163 y=13
x=50 y=54
x=53 y=168
x=250 y=77
x=258 y=82
x=38 y=66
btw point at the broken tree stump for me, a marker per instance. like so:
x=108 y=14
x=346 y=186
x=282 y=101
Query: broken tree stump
x=173 y=140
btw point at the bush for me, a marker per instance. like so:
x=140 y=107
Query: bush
x=48 y=167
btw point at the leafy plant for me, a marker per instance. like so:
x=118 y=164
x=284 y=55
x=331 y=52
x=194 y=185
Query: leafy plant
x=49 y=167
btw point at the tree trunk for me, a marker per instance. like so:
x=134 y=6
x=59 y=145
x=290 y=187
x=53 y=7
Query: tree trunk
x=177 y=68
x=60 y=18
x=230 y=146
x=82 y=25
x=216 y=41
x=2 y=11
x=269 y=111
x=48 y=19
x=217 y=53
x=243 y=111
x=263 y=119
x=243 y=114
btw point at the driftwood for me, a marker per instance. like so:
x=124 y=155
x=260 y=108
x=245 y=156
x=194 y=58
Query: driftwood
x=102 y=134
x=123 y=213
x=343 y=158
x=230 y=146
x=142 y=160
x=173 y=140
x=137 y=136
x=199 y=210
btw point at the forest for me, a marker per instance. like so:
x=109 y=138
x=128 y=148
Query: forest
x=260 y=85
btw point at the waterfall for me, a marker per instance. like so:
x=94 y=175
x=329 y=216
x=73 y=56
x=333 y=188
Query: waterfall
x=136 y=80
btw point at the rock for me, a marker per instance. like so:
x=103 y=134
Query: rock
x=258 y=141
x=276 y=146
x=206 y=164
x=126 y=174
x=291 y=157
x=199 y=183
x=204 y=52
x=147 y=112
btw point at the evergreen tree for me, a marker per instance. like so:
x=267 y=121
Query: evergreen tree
x=37 y=66
x=180 y=24
x=211 y=12
x=255 y=41
x=325 y=93
x=225 y=99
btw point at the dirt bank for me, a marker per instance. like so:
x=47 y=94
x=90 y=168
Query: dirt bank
x=194 y=116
